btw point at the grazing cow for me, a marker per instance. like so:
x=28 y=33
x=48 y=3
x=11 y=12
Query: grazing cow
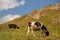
x=41 y=26
x=14 y=26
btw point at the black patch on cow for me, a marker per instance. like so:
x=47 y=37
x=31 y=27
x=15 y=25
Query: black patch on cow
x=43 y=27
x=45 y=30
x=37 y=24
x=29 y=24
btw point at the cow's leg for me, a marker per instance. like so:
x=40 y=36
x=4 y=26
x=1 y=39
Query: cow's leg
x=28 y=30
x=32 y=31
x=42 y=33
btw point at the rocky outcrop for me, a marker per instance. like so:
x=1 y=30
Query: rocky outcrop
x=56 y=6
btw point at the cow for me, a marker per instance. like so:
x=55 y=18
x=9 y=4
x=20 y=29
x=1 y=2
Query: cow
x=39 y=25
x=13 y=26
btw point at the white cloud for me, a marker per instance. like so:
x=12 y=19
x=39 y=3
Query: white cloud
x=8 y=17
x=7 y=4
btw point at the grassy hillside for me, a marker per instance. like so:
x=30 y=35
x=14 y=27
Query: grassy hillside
x=49 y=17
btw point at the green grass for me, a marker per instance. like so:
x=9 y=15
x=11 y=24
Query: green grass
x=20 y=34
x=15 y=34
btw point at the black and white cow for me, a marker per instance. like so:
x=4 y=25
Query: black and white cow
x=41 y=26
x=14 y=26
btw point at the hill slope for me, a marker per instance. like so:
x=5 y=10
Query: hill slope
x=49 y=17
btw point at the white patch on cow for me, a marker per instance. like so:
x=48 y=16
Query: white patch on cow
x=32 y=23
x=35 y=26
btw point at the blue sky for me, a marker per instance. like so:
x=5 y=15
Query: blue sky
x=24 y=7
